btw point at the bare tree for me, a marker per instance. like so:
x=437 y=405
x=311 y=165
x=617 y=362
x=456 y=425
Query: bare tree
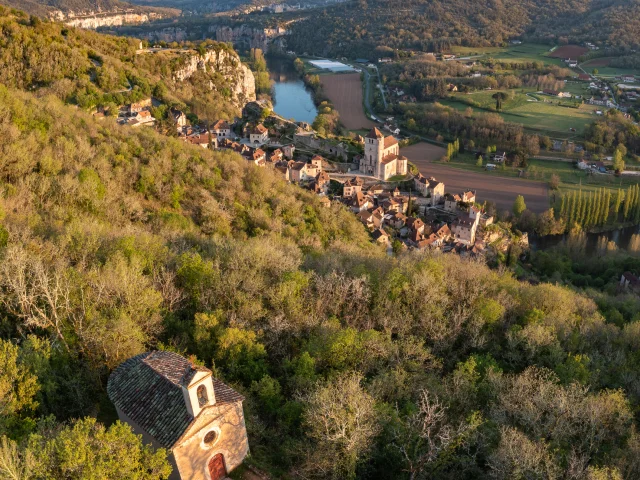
x=37 y=294
x=14 y=464
x=341 y=419
x=429 y=436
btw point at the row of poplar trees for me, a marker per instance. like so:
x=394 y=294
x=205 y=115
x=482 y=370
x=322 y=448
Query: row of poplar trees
x=453 y=149
x=601 y=207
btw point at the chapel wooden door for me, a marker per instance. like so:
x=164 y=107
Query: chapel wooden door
x=217 y=471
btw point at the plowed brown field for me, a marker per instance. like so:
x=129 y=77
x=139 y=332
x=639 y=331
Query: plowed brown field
x=569 y=51
x=345 y=92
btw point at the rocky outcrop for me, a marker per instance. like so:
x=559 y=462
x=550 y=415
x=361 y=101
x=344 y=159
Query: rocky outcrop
x=93 y=20
x=169 y=34
x=238 y=78
x=246 y=36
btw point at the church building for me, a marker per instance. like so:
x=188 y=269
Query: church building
x=382 y=157
x=181 y=407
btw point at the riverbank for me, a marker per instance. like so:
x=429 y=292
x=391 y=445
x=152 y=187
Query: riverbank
x=292 y=97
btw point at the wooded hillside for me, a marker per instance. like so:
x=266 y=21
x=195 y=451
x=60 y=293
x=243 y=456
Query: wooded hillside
x=115 y=241
x=359 y=28
x=93 y=70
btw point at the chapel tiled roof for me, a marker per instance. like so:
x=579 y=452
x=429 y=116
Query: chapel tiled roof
x=147 y=388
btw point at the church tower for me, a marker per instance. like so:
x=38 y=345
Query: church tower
x=373 y=151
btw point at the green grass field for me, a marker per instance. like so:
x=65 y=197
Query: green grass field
x=576 y=87
x=552 y=120
x=544 y=117
x=525 y=52
x=606 y=71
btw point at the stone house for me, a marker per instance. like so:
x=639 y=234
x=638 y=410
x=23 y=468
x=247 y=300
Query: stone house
x=469 y=197
x=430 y=241
x=142 y=118
x=429 y=187
x=178 y=406
x=370 y=219
x=259 y=134
x=485 y=220
x=288 y=151
x=443 y=233
x=321 y=183
x=221 y=129
x=178 y=117
x=277 y=155
x=360 y=202
x=380 y=236
x=395 y=204
x=435 y=189
x=199 y=140
x=302 y=171
x=325 y=202
x=137 y=107
x=415 y=224
x=451 y=202
x=257 y=156
x=415 y=237
x=396 y=220
x=352 y=186
x=375 y=189
x=474 y=212
x=464 y=229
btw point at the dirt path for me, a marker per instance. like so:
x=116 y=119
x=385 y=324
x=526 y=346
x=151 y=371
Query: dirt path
x=501 y=190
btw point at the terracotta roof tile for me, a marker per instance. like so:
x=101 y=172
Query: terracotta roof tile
x=375 y=133
x=390 y=141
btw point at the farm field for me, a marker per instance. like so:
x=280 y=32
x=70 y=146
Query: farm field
x=552 y=120
x=597 y=62
x=569 y=51
x=540 y=170
x=542 y=117
x=424 y=150
x=488 y=185
x=604 y=70
x=526 y=52
x=345 y=92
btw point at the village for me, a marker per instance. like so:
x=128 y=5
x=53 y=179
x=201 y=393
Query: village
x=402 y=210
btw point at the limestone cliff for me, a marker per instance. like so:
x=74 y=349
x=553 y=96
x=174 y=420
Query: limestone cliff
x=95 y=19
x=167 y=34
x=221 y=62
x=247 y=37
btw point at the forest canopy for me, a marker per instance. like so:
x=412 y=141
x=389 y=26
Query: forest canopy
x=367 y=28
x=116 y=241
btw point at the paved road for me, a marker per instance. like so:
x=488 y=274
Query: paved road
x=503 y=191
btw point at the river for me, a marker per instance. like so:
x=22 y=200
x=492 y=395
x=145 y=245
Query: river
x=623 y=238
x=291 y=99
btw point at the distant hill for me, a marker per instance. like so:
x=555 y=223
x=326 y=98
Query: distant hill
x=63 y=9
x=95 y=70
x=360 y=27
